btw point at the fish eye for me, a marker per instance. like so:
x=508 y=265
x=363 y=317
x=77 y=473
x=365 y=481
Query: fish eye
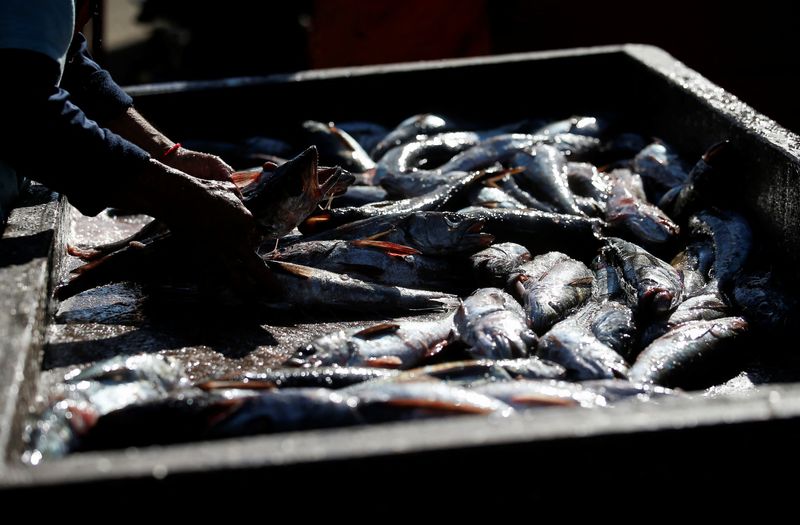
x=307 y=350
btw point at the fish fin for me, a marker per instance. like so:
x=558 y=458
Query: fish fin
x=438 y=406
x=293 y=269
x=390 y=248
x=388 y=361
x=86 y=254
x=320 y=217
x=491 y=182
x=435 y=349
x=376 y=329
x=250 y=384
x=541 y=400
x=246 y=177
x=582 y=281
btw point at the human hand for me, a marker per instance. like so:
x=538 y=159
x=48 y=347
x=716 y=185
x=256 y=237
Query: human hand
x=210 y=212
x=198 y=164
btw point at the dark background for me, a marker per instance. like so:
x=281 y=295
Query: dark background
x=750 y=50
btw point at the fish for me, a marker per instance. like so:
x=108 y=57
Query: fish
x=493 y=197
x=281 y=198
x=397 y=401
x=584 y=180
x=578 y=125
x=702 y=185
x=367 y=134
x=494 y=265
x=531 y=394
x=732 y=238
x=332 y=377
x=422 y=156
x=435 y=200
x=691 y=355
x=432 y=233
x=303 y=287
x=572 y=344
x=540 y=231
x=545 y=172
x=88 y=394
x=492 y=325
x=701 y=307
x=660 y=168
x=379 y=261
x=652 y=286
x=408 y=130
x=627 y=211
x=337 y=148
x=695 y=263
x=383 y=345
x=550 y=286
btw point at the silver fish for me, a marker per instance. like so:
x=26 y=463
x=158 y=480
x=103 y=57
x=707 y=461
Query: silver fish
x=677 y=357
x=551 y=285
x=492 y=325
x=385 y=345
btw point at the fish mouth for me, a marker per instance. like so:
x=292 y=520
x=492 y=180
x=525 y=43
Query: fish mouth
x=333 y=182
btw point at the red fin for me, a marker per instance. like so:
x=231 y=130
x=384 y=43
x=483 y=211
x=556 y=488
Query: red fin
x=378 y=235
x=87 y=254
x=439 y=406
x=314 y=219
x=376 y=329
x=389 y=361
x=293 y=269
x=243 y=178
x=389 y=247
x=582 y=281
x=542 y=400
x=242 y=384
x=435 y=349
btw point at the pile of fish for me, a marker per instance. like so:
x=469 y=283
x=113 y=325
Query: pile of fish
x=571 y=265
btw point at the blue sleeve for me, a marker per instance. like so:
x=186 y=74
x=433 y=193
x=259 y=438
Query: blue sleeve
x=49 y=139
x=90 y=86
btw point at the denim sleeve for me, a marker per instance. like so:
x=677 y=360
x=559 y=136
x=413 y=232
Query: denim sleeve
x=91 y=87
x=48 y=138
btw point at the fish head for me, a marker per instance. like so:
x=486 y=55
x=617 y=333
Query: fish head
x=434 y=229
x=332 y=349
x=283 y=196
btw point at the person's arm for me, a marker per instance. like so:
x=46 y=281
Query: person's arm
x=93 y=89
x=49 y=139
x=134 y=127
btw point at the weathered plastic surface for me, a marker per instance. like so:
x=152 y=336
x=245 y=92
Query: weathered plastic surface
x=657 y=95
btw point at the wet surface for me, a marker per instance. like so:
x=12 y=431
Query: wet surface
x=125 y=319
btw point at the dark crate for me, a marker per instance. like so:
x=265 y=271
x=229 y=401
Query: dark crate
x=656 y=95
